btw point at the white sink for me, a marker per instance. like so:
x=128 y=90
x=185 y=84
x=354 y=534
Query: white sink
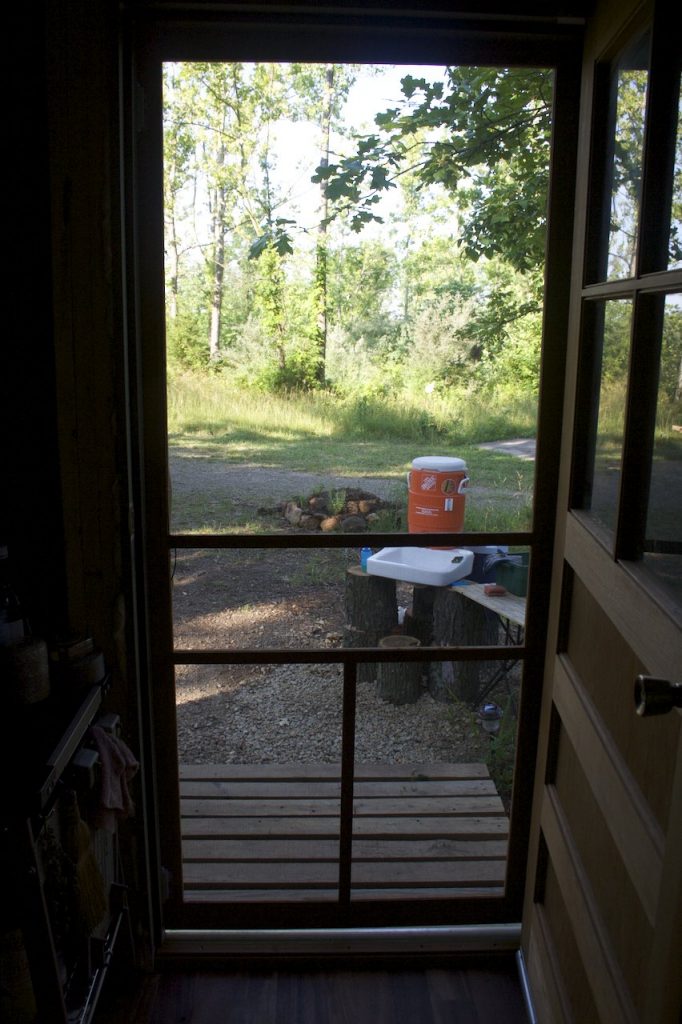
x=422 y=565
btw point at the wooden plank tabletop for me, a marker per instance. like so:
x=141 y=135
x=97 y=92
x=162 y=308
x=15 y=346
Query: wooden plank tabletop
x=507 y=606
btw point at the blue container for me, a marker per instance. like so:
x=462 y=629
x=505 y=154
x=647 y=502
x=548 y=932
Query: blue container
x=486 y=561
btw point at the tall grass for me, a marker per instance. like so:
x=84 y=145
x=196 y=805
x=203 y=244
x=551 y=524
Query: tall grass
x=612 y=403
x=212 y=407
x=209 y=405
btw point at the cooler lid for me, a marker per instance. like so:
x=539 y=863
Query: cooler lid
x=440 y=463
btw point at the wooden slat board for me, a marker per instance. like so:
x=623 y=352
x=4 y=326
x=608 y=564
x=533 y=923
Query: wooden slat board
x=507 y=606
x=328 y=849
x=331 y=895
x=311 y=807
x=267 y=790
x=271 y=832
x=474 y=827
x=310 y=874
x=324 y=770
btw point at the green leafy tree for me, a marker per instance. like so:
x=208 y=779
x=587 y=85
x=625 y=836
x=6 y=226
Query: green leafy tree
x=361 y=282
x=439 y=351
x=218 y=127
x=467 y=143
x=670 y=383
x=187 y=329
x=626 y=171
x=318 y=94
x=484 y=134
x=270 y=302
x=179 y=171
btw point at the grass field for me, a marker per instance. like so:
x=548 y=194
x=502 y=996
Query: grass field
x=208 y=406
x=319 y=434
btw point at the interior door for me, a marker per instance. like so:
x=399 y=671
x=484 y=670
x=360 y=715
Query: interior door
x=602 y=921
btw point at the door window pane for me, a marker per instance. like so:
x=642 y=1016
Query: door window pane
x=611 y=373
x=630 y=81
x=663 y=545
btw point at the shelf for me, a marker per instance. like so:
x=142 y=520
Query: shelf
x=46 y=739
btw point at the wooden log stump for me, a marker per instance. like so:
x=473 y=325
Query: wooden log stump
x=399 y=682
x=419 y=617
x=371 y=613
x=458 y=621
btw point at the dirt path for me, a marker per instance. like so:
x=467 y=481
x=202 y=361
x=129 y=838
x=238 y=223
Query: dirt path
x=260 y=485
x=249 y=487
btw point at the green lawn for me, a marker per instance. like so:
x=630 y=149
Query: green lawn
x=319 y=434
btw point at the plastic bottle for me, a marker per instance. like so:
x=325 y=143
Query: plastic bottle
x=12 y=624
x=364 y=555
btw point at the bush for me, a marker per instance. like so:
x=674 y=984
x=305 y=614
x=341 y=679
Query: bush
x=438 y=350
x=518 y=363
x=187 y=340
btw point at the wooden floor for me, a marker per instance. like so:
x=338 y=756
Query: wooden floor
x=271 y=832
x=485 y=993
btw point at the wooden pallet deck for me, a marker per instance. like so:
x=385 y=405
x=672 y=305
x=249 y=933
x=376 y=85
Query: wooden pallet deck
x=271 y=832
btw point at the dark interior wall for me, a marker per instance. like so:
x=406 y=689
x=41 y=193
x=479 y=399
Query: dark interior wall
x=64 y=494
x=63 y=509
x=88 y=323
x=30 y=506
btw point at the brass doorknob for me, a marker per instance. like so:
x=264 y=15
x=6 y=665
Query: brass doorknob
x=656 y=696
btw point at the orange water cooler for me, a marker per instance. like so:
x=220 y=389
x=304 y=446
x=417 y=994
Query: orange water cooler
x=436 y=494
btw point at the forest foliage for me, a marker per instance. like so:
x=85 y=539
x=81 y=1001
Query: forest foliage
x=280 y=298
x=401 y=256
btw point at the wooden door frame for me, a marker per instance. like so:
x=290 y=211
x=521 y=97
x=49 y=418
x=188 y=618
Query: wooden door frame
x=638 y=607
x=446 y=38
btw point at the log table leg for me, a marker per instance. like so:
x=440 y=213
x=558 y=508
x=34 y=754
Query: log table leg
x=419 y=618
x=371 y=613
x=459 y=622
x=399 y=682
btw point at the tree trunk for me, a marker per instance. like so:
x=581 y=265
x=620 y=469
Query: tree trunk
x=458 y=621
x=217 y=267
x=419 y=618
x=399 y=682
x=322 y=232
x=371 y=613
x=174 y=277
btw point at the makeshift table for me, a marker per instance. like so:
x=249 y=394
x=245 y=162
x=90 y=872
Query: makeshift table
x=511 y=613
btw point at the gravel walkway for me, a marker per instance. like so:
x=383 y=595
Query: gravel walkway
x=260 y=483
x=293 y=713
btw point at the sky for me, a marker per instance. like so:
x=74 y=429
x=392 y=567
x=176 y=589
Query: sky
x=296 y=152
x=298 y=146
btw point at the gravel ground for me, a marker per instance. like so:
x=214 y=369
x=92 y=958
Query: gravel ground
x=258 y=714
x=289 y=713
x=253 y=486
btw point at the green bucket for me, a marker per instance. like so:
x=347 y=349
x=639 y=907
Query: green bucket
x=513 y=575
